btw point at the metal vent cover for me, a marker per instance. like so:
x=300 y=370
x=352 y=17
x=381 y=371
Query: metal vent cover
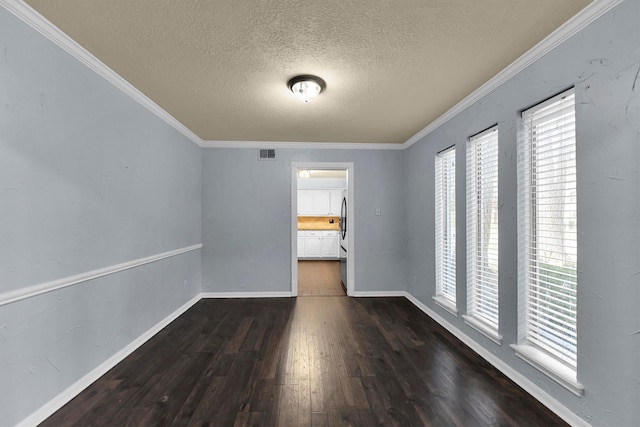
x=266 y=154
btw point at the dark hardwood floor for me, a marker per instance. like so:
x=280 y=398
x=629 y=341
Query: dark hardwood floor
x=309 y=361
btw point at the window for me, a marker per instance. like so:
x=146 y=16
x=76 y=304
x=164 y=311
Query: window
x=446 y=228
x=482 y=232
x=547 y=218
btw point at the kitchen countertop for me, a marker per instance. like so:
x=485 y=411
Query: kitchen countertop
x=318 y=223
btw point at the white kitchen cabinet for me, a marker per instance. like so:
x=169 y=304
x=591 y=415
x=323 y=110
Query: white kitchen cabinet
x=305 y=202
x=319 y=244
x=335 y=202
x=313 y=244
x=330 y=244
x=319 y=202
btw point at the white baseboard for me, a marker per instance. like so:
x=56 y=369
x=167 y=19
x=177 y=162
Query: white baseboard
x=72 y=391
x=279 y=294
x=61 y=399
x=530 y=387
x=362 y=294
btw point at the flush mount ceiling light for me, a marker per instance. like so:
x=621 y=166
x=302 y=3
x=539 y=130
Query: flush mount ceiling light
x=306 y=86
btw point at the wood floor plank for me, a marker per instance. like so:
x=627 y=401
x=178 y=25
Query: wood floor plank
x=288 y=409
x=310 y=361
x=167 y=397
x=319 y=419
x=315 y=373
x=248 y=419
x=239 y=335
x=333 y=392
x=265 y=400
x=344 y=416
x=377 y=406
x=320 y=278
x=357 y=392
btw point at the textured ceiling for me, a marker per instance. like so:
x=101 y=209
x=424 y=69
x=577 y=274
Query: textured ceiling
x=391 y=66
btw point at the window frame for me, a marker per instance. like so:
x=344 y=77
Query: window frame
x=547 y=172
x=445 y=229
x=482 y=193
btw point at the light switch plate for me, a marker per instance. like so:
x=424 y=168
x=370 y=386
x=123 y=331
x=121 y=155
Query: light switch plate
x=377 y=211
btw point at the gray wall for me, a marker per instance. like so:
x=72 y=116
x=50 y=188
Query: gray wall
x=88 y=179
x=247 y=218
x=602 y=62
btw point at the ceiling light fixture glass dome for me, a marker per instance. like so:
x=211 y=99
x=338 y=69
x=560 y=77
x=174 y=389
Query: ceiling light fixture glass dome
x=306 y=86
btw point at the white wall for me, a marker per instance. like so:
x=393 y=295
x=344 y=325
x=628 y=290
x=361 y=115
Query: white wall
x=88 y=179
x=247 y=218
x=602 y=62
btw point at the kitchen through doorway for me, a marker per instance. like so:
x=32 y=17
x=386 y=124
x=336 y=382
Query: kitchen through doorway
x=321 y=262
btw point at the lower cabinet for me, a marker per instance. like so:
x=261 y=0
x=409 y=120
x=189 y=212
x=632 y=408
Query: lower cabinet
x=318 y=244
x=330 y=244
x=312 y=244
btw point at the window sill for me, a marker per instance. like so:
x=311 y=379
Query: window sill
x=483 y=328
x=446 y=304
x=555 y=370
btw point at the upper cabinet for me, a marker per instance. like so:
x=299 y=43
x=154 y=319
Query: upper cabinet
x=319 y=202
x=335 y=203
x=305 y=202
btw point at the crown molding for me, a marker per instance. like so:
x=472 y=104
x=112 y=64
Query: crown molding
x=303 y=145
x=29 y=16
x=582 y=19
x=578 y=22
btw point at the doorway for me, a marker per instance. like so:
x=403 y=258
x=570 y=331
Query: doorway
x=314 y=263
x=319 y=278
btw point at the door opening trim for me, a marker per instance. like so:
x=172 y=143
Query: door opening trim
x=348 y=166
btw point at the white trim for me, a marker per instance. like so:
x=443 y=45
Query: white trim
x=31 y=291
x=368 y=294
x=482 y=327
x=61 y=399
x=304 y=145
x=76 y=388
x=276 y=294
x=582 y=19
x=446 y=304
x=294 y=229
x=555 y=370
x=39 y=23
x=529 y=386
x=349 y=166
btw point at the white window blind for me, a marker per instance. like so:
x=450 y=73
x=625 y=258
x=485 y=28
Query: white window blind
x=548 y=237
x=482 y=227
x=446 y=225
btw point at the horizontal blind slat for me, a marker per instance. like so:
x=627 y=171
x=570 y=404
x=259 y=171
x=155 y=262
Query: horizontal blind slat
x=549 y=218
x=482 y=226
x=445 y=224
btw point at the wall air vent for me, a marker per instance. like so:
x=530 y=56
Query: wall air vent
x=266 y=154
